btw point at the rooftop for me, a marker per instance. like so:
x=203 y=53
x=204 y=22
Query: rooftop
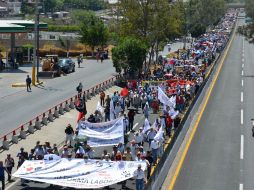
x=17 y=26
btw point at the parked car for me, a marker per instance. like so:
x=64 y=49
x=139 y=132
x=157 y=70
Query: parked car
x=66 y=65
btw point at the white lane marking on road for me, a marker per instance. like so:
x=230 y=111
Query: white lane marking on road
x=135 y=125
x=243 y=65
x=242 y=73
x=242 y=59
x=241 y=96
x=242 y=82
x=242 y=146
x=241 y=116
x=240 y=186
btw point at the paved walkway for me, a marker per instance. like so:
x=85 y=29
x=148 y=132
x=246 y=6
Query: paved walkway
x=54 y=131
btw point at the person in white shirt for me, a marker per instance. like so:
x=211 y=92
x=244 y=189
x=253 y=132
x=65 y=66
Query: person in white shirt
x=117 y=110
x=139 y=174
x=138 y=138
x=154 y=148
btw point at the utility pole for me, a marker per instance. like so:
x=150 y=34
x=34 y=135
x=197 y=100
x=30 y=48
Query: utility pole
x=185 y=28
x=36 y=44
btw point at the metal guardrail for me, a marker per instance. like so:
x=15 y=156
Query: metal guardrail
x=152 y=182
x=21 y=132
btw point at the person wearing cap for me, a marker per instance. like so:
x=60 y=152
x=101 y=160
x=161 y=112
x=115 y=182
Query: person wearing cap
x=69 y=134
x=139 y=174
x=139 y=138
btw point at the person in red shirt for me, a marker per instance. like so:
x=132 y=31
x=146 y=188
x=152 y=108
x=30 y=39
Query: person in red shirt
x=169 y=122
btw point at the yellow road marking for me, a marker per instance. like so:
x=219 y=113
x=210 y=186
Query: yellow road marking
x=179 y=166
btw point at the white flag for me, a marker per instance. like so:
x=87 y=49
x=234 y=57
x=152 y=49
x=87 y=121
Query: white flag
x=146 y=126
x=173 y=113
x=112 y=110
x=159 y=135
x=164 y=98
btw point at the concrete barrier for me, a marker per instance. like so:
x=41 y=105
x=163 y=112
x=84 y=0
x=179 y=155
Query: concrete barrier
x=50 y=116
x=72 y=106
x=56 y=113
x=44 y=119
x=61 y=110
x=6 y=143
x=14 y=138
x=66 y=107
x=88 y=96
x=31 y=128
x=97 y=90
x=37 y=124
x=22 y=133
x=93 y=92
x=104 y=86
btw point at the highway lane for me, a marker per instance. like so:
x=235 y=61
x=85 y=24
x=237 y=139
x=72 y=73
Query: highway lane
x=20 y=107
x=213 y=159
x=248 y=113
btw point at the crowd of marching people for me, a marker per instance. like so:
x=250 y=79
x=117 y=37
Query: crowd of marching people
x=177 y=81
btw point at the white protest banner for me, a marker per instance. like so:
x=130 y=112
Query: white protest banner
x=102 y=134
x=99 y=107
x=164 y=98
x=78 y=173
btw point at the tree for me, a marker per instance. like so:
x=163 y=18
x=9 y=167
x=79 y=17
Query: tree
x=154 y=22
x=248 y=30
x=93 y=32
x=204 y=13
x=129 y=55
x=27 y=8
x=86 y=4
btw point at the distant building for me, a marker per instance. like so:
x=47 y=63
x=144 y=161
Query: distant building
x=13 y=6
x=3 y=11
x=61 y=15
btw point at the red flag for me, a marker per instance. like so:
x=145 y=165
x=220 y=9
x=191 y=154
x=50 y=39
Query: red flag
x=124 y=92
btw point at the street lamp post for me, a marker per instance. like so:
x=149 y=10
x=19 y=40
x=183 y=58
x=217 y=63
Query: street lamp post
x=185 y=28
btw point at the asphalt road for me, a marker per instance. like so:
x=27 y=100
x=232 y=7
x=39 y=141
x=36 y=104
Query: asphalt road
x=221 y=153
x=20 y=107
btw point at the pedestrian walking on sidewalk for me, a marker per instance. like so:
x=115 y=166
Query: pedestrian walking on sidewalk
x=28 y=83
x=9 y=164
x=69 y=134
x=2 y=176
x=79 y=88
x=102 y=98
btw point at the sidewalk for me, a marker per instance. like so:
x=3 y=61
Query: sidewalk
x=54 y=131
